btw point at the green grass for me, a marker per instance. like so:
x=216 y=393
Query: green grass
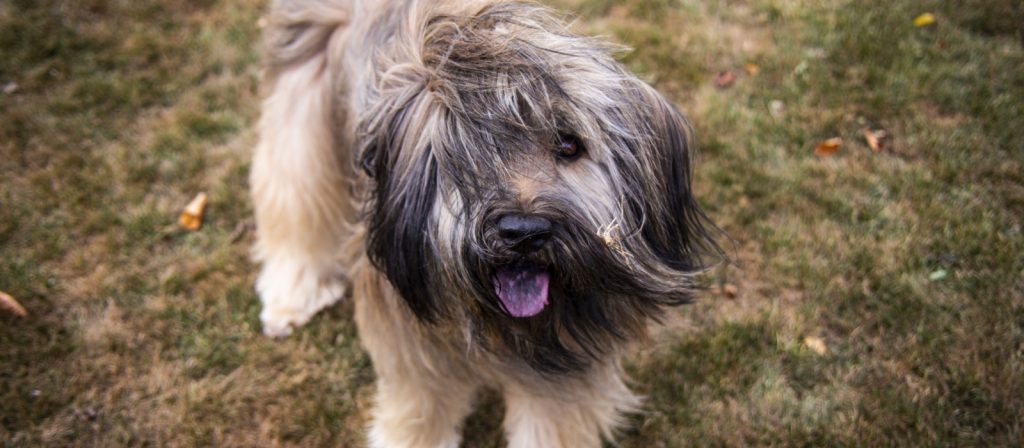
x=139 y=334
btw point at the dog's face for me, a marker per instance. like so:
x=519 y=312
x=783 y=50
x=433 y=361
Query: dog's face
x=525 y=185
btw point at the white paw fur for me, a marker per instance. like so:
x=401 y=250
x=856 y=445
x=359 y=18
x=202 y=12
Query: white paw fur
x=292 y=291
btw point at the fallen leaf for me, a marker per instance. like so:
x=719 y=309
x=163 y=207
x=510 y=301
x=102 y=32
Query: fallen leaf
x=8 y=303
x=924 y=20
x=875 y=139
x=192 y=217
x=752 y=69
x=938 y=275
x=724 y=79
x=828 y=147
x=815 y=344
x=730 y=290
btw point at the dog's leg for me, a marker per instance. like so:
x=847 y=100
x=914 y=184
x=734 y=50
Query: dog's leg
x=424 y=386
x=577 y=413
x=409 y=412
x=298 y=181
x=418 y=405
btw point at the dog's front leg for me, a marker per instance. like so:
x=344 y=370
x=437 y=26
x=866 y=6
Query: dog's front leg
x=410 y=412
x=424 y=387
x=576 y=413
x=300 y=196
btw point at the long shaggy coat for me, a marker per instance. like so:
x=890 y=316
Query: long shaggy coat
x=396 y=140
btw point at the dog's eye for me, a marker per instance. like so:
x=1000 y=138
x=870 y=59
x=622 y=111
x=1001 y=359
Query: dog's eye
x=569 y=147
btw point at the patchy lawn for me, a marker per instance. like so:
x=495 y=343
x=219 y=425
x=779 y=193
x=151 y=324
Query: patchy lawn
x=876 y=298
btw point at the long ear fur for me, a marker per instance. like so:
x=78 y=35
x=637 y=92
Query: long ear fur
x=398 y=155
x=676 y=229
x=397 y=242
x=395 y=150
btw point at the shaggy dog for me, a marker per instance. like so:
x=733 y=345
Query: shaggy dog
x=507 y=206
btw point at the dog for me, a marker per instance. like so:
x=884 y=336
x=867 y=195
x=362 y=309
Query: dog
x=507 y=206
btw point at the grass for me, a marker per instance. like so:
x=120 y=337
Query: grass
x=139 y=334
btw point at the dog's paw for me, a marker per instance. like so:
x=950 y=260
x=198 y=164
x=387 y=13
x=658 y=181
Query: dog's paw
x=291 y=297
x=277 y=324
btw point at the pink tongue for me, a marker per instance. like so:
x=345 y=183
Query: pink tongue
x=524 y=292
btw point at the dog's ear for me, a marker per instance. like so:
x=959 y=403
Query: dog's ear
x=675 y=228
x=397 y=155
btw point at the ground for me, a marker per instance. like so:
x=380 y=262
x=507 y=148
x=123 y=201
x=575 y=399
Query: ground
x=873 y=298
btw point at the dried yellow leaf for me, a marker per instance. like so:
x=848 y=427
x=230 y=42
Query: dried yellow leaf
x=192 y=217
x=815 y=344
x=874 y=139
x=924 y=19
x=828 y=147
x=752 y=69
x=8 y=303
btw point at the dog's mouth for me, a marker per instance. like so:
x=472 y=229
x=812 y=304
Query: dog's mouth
x=522 y=289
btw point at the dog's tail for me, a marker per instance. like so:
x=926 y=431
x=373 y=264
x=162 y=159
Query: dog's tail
x=296 y=31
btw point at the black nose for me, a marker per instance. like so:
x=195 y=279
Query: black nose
x=524 y=233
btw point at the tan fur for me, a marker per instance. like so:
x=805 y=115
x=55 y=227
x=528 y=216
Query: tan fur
x=329 y=88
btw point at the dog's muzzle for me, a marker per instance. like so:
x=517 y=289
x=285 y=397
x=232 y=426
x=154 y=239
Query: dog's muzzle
x=523 y=287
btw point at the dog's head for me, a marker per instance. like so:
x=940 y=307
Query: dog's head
x=524 y=182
